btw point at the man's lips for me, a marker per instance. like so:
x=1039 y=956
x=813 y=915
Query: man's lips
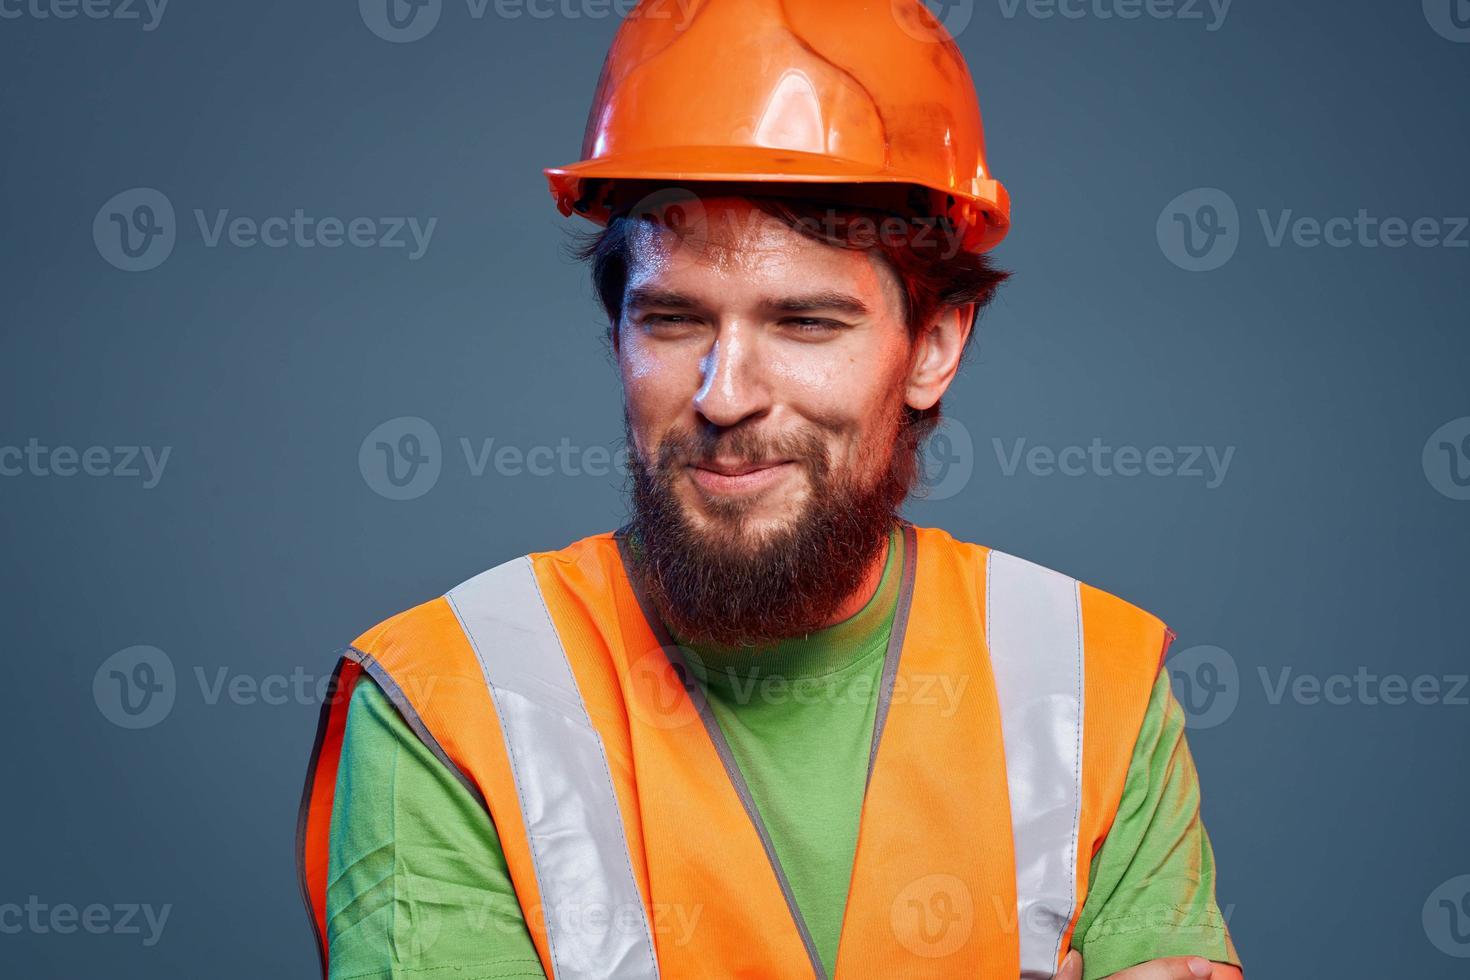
x=717 y=476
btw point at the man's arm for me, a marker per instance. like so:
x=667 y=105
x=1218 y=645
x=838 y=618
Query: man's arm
x=1175 y=968
x=417 y=880
x=1151 y=894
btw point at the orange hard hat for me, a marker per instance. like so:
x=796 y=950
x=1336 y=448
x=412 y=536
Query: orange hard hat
x=792 y=92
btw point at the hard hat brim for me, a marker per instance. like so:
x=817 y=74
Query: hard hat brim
x=974 y=201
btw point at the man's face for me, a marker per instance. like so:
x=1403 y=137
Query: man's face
x=789 y=352
x=765 y=377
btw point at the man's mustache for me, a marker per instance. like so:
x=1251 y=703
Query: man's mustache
x=686 y=447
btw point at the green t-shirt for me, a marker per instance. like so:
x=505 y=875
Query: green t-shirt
x=418 y=884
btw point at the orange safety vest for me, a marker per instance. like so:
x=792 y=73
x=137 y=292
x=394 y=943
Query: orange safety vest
x=550 y=689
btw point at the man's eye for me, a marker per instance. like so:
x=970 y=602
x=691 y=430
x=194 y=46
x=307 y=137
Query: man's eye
x=669 y=324
x=812 y=325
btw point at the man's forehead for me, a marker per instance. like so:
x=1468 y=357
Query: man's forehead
x=730 y=242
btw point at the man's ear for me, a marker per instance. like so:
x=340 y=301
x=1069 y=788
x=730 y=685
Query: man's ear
x=936 y=355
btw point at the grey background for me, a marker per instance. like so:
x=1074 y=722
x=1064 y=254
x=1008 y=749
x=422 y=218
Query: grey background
x=263 y=549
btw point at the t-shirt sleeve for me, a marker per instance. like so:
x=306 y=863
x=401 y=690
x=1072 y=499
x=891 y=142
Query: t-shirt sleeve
x=1152 y=884
x=417 y=884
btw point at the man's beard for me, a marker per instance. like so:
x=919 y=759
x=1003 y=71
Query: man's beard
x=728 y=585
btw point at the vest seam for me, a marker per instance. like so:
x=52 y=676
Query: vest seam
x=1073 y=909
x=897 y=632
x=390 y=688
x=673 y=653
x=752 y=811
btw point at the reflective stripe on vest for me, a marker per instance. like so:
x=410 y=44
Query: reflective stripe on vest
x=1034 y=624
x=578 y=843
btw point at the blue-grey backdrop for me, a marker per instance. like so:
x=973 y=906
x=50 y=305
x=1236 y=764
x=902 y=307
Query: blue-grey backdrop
x=1200 y=391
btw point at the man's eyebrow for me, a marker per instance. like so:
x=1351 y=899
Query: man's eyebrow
x=824 y=301
x=642 y=296
x=828 y=301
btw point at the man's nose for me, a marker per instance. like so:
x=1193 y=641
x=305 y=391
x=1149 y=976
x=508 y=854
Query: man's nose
x=734 y=382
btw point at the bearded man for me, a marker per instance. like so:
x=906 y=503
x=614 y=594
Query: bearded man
x=769 y=728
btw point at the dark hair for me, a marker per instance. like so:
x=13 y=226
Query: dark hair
x=924 y=252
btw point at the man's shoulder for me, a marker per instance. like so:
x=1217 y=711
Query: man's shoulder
x=432 y=619
x=1102 y=613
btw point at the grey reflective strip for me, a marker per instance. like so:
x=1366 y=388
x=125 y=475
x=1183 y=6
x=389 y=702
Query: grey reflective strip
x=596 y=923
x=895 y=642
x=1034 y=629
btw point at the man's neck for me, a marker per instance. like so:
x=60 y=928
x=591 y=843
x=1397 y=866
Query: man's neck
x=864 y=592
